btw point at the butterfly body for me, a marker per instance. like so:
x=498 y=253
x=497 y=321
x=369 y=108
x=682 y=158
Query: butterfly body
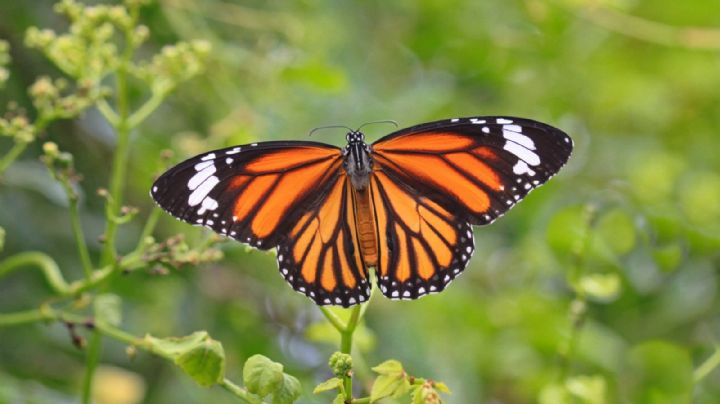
x=404 y=205
x=358 y=162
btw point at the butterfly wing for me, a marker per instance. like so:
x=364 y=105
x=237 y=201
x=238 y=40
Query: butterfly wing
x=252 y=193
x=432 y=181
x=319 y=256
x=478 y=167
x=422 y=245
x=292 y=195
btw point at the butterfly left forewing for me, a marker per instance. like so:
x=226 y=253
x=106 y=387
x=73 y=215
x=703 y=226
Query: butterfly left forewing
x=252 y=193
x=422 y=245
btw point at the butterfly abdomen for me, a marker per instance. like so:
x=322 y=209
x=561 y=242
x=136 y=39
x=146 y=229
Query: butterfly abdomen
x=366 y=226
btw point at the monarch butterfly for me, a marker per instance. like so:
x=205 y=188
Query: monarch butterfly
x=404 y=204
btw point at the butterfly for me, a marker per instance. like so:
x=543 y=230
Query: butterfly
x=404 y=205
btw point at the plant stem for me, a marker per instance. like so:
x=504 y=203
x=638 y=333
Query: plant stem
x=332 y=318
x=91 y=360
x=708 y=366
x=12 y=155
x=149 y=227
x=42 y=261
x=240 y=392
x=146 y=109
x=122 y=151
x=346 y=334
x=22 y=317
x=78 y=231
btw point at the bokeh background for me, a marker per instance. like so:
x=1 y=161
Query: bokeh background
x=602 y=285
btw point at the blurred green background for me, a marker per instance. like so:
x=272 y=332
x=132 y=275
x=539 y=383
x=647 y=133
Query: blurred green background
x=601 y=286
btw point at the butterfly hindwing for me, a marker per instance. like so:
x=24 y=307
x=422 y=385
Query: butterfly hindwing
x=479 y=167
x=252 y=193
x=320 y=256
x=422 y=245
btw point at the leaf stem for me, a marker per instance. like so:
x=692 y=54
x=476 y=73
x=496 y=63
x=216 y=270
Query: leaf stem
x=708 y=366
x=12 y=155
x=43 y=262
x=333 y=319
x=240 y=392
x=82 y=247
x=146 y=109
x=21 y=317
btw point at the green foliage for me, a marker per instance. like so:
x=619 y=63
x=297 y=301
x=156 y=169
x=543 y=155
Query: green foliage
x=264 y=377
x=657 y=372
x=601 y=287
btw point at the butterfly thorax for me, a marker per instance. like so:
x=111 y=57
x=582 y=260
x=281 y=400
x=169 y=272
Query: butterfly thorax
x=358 y=163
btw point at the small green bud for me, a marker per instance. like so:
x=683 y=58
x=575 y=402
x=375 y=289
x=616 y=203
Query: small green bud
x=340 y=363
x=51 y=149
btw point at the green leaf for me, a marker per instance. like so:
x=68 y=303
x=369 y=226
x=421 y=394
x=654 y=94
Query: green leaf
x=386 y=385
x=389 y=367
x=668 y=257
x=565 y=229
x=339 y=399
x=658 y=372
x=198 y=355
x=417 y=395
x=108 y=309
x=601 y=287
x=441 y=387
x=262 y=376
x=616 y=231
x=589 y=389
x=554 y=394
x=173 y=347
x=205 y=363
x=327 y=385
x=288 y=392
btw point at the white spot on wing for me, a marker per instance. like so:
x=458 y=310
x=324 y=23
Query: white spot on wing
x=477 y=121
x=208 y=204
x=228 y=161
x=203 y=165
x=235 y=150
x=485 y=129
x=521 y=167
x=454 y=120
x=503 y=121
x=518 y=138
x=208 y=157
x=522 y=153
x=201 y=176
x=202 y=191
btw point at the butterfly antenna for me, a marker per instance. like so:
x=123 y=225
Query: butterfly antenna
x=374 y=122
x=328 y=127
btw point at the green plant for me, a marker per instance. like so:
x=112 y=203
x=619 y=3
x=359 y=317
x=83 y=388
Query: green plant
x=98 y=57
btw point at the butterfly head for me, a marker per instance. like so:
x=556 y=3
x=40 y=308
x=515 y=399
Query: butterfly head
x=354 y=137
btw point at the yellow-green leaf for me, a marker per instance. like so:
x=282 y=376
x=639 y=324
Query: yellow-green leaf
x=108 y=309
x=328 y=385
x=389 y=385
x=288 y=392
x=262 y=376
x=205 y=363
